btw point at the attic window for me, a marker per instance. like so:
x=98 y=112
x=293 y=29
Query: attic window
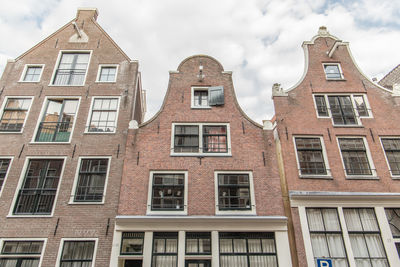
x=333 y=71
x=205 y=97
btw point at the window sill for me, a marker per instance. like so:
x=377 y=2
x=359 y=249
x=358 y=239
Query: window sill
x=99 y=132
x=208 y=107
x=348 y=126
x=201 y=155
x=336 y=80
x=30 y=216
x=325 y=177
x=235 y=212
x=106 y=82
x=361 y=177
x=28 y=82
x=395 y=177
x=49 y=143
x=8 y=132
x=85 y=203
x=65 y=85
x=166 y=212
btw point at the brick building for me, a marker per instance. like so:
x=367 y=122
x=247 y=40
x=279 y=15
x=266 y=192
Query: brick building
x=200 y=184
x=65 y=108
x=337 y=134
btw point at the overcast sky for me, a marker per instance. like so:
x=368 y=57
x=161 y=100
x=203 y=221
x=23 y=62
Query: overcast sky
x=260 y=41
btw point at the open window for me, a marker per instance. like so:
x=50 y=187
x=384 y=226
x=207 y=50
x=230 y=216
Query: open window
x=205 y=97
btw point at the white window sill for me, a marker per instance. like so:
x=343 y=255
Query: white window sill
x=99 y=132
x=65 y=85
x=327 y=177
x=85 y=203
x=8 y=132
x=28 y=81
x=235 y=212
x=166 y=212
x=105 y=81
x=200 y=154
x=49 y=143
x=361 y=177
x=335 y=79
x=348 y=126
x=199 y=107
x=30 y=216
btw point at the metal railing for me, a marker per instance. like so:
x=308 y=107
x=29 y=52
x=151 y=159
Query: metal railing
x=69 y=77
x=54 y=132
x=35 y=201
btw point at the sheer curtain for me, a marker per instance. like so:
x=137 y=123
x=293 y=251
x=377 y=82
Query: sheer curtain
x=165 y=246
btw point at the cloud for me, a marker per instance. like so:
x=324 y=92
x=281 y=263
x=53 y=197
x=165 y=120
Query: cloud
x=260 y=41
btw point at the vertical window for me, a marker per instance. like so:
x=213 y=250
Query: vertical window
x=361 y=105
x=392 y=151
x=215 y=139
x=91 y=180
x=198 y=243
x=355 y=156
x=365 y=237
x=39 y=187
x=393 y=218
x=57 y=121
x=4 y=164
x=132 y=243
x=234 y=192
x=200 y=98
x=168 y=191
x=77 y=253
x=310 y=156
x=71 y=69
x=14 y=114
x=186 y=138
x=21 y=253
x=104 y=115
x=32 y=73
x=165 y=249
x=107 y=74
x=321 y=106
x=326 y=235
x=247 y=249
x=332 y=71
x=342 y=110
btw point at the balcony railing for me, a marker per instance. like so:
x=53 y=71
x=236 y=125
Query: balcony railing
x=54 y=132
x=35 y=201
x=69 y=77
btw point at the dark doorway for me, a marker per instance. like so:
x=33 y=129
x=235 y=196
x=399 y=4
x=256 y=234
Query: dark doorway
x=133 y=263
x=198 y=263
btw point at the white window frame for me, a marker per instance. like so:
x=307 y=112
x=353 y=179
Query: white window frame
x=198 y=88
x=205 y=154
x=107 y=65
x=386 y=158
x=328 y=174
x=150 y=194
x=60 y=53
x=352 y=95
x=373 y=174
x=3 y=105
x=252 y=211
x=11 y=158
x=60 y=249
x=29 y=239
x=72 y=198
x=333 y=64
x=21 y=180
x=42 y=112
x=21 y=79
x=89 y=117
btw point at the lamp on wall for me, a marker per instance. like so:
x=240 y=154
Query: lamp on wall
x=200 y=75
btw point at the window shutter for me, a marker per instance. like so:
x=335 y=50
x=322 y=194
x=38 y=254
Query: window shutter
x=216 y=95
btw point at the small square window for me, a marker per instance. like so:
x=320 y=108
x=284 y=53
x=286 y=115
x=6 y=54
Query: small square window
x=107 y=73
x=333 y=72
x=103 y=118
x=32 y=73
x=132 y=243
x=198 y=243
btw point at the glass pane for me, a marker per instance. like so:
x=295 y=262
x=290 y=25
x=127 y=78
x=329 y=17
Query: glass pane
x=319 y=245
x=315 y=221
x=393 y=217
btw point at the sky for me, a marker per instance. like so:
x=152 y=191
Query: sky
x=259 y=40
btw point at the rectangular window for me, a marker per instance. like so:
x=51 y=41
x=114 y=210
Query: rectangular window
x=234 y=192
x=39 y=187
x=322 y=109
x=77 y=253
x=200 y=98
x=247 y=249
x=168 y=191
x=326 y=235
x=342 y=110
x=103 y=116
x=14 y=114
x=333 y=71
x=392 y=151
x=365 y=237
x=57 y=121
x=107 y=73
x=165 y=249
x=91 y=180
x=4 y=165
x=201 y=138
x=32 y=73
x=393 y=217
x=361 y=105
x=21 y=253
x=198 y=243
x=310 y=156
x=205 y=97
x=355 y=158
x=132 y=243
x=72 y=68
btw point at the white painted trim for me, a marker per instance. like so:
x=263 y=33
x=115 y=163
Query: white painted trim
x=200 y=125
x=181 y=248
x=333 y=64
x=43 y=111
x=252 y=211
x=58 y=62
x=21 y=79
x=328 y=174
x=107 y=65
x=71 y=200
x=326 y=104
x=60 y=249
x=306 y=237
x=21 y=180
x=369 y=157
x=283 y=249
x=44 y=240
x=147 y=249
x=150 y=194
x=11 y=158
x=89 y=117
x=215 y=248
x=3 y=105
x=198 y=88
x=386 y=158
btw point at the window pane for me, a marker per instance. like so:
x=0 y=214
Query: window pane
x=91 y=180
x=392 y=151
x=342 y=110
x=214 y=139
x=234 y=191
x=393 y=217
x=71 y=69
x=354 y=156
x=332 y=71
x=310 y=156
x=103 y=117
x=32 y=73
x=77 y=253
x=4 y=164
x=165 y=247
x=186 y=138
x=321 y=106
x=132 y=243
x=14 y=114
x=168 y=192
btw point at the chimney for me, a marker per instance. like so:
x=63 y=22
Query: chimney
x=84 y=13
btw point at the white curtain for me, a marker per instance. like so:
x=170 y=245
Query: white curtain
x=319 y=245
x=315 y=220
x=352 y=220
x=331 y=220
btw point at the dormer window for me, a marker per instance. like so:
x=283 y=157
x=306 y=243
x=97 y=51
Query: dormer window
x=333 y=71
